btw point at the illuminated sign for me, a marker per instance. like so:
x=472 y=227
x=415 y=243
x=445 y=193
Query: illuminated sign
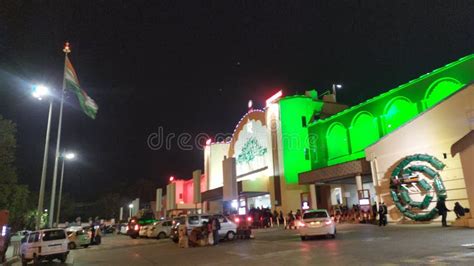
x=251 y=148
x=274 y=97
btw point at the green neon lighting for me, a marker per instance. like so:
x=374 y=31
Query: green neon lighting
x=367 y=122
x=338 y=144
x=294 y=135
x=441 y=89
x=398 y=111
x=364 y=131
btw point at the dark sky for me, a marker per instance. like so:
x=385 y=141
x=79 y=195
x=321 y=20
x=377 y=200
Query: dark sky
x=191 y=66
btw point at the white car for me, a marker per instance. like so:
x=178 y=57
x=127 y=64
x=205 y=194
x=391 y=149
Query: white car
x=123 y=229
x=143 y=231
x=160 y=229
x=228 y=229
x=44 y=244
x=316 y=222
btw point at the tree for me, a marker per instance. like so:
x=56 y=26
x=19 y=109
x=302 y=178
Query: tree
x=13 y=197
x=250 y=150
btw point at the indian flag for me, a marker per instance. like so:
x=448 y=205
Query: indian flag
x=89 y=107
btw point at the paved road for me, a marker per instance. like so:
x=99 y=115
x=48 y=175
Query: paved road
x=354 y=245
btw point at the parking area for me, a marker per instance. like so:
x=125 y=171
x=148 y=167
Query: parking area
x=354 y=244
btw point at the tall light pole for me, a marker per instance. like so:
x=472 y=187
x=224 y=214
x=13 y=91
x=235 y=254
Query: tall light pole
x=64 y=156
x=334 y=89
x=40 y=92
x=130 y=207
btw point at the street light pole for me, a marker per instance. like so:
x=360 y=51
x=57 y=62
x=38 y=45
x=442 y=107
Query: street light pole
x=64 y=156
x=43 y=172
x=130 y=207
x=60 y=190
x=334 y=89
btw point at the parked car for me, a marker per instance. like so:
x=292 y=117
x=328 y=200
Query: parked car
x=78 y=238
x=160 y=230
x=228 y=227
x=135 y=224
x=44 y=244
x=123 y=229
x=316 y=222
x=143 y=232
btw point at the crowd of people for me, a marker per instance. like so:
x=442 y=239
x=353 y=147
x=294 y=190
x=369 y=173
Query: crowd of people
x=205 y=235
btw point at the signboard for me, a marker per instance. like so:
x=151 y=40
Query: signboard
x=251 y=148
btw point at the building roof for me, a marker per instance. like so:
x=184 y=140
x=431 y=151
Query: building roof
x=400 y=87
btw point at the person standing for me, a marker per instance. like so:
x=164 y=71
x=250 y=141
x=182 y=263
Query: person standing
x=385 y=212
x=275 y=218
x=382 y=214
x=216 y=226
x=442 y=210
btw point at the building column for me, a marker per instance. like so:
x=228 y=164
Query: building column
x=359 y=182
x=312 y=191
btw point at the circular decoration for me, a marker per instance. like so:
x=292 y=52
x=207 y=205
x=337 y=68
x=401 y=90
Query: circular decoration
x=417 y=173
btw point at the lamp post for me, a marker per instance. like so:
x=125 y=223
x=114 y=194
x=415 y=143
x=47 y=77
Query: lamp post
x=334 y=89
x=64 y=156
x=130 y=207
x=40 y=92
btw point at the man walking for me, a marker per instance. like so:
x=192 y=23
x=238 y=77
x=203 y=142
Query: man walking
x=442 y=210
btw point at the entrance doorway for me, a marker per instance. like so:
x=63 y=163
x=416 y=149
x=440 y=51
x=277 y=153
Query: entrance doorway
x=323 y=196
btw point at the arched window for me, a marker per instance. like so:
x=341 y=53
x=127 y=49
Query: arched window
x=337 y=142
x=440 y=89
x=363 y=131
x=398 y=111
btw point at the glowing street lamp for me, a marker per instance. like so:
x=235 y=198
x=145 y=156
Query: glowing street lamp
x=334 y=89
x=40 y=92
x=69 y=156
x=130 y=207
x=65 y=156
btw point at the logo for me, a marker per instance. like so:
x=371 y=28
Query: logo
x=417 y=175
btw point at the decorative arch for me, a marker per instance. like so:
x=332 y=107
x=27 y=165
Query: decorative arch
x=363 y=131
x=397 y=112
x=440 y=89
x=337 y=141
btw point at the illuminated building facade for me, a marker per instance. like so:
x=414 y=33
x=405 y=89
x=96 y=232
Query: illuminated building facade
x=258 y=166
x=344 y=148
x=305 y=151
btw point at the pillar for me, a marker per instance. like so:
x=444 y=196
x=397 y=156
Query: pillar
x=359 y=182
x=312 y=191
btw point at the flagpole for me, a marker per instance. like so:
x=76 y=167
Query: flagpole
x=66 y=50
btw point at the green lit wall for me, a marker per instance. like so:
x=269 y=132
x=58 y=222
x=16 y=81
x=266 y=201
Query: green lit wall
x=344 y=136
x=295 y=134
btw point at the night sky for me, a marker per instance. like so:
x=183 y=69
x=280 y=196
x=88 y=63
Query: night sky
x=192 y=66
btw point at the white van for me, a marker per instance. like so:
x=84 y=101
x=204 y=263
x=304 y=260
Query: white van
x=44 y=244
x=228 y=229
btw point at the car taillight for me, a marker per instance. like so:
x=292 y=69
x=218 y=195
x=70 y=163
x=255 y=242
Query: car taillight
x=237 y=220
x=137 y=227
x=249 y=219
x=328 y=222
